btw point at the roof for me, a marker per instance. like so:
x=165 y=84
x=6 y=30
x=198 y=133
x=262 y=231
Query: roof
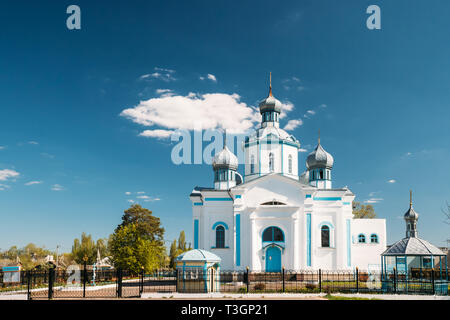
x=319 y=158
x=198 y=255
x=412 y=246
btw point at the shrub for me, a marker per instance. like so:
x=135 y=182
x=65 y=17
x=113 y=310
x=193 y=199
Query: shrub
x=260 y=286
x=243 y=290
x=310 y=286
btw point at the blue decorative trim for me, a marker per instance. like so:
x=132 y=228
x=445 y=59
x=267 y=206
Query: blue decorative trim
x=220 y=248
x=198 y=203
x=272 y=234
x=349 y=248
x=196 y=234
x=346 y=203
x=327 y=198
x=293 y=144
x=308 y=239
x=218 y=199
x=238 y=196
x=205 y=273
x=378 y=238
x=365 y=238
x=326 y=223
x=308 y=196
x=238 y=240
x=215 y=225
x=11 y=269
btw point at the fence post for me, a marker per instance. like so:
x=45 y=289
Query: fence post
x=432 y=280
x=248 y=280
x=50 y=282
x=142 y=283
x=282 y=269
x=176 y=280
x=119 y=283
x=395 y=280
x=29 y=285
x=84 y=279
x=320 y=280
x=357 y=280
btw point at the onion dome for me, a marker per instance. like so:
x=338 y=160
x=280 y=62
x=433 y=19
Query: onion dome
x=270 y=103
x=411 y=215
x=411 y=218
x=319 y=158
x=225 y=159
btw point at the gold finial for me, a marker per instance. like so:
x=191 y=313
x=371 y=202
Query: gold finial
x=410 y=198
x=270 y=86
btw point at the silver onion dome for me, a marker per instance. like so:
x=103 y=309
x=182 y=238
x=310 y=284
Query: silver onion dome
x=225 y=159
x=270 y=103
x=319 y=158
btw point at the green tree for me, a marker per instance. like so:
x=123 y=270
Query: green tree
x=173 y=253
x=361 y=211
x=132 y=251
x=84 y=247
x=147 y=225
x=182 y=242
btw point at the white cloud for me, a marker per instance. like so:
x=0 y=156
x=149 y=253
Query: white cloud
x=323 y=106
x=32 y=183
x=4 y=187
x=2 y=147
x=33 y=142
x=47 y=155
x=57 y=187
x=130 y=201
x=392 y=181
x=160 y=74
x=143 y=197
x=195 y=111
x=373 y=200
x=6 y=174
x=212 y=77
x=158 y=133
x=148 y=199
x=140 y=192
x=127 y=193
x=164 y=92
x=302 y=150
x=292 y=124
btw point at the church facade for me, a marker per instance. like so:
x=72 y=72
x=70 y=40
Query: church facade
x=272 y=217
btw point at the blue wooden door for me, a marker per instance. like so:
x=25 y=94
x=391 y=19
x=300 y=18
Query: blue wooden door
x=273 y=259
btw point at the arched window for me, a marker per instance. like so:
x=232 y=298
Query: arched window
x=271 y=166
x=325 y=236
x=252 y=164
x=273 y=234
x=321 y=174
x=220 y=237
x=361 y=238
x=273 y=203
x=290 y=164
x=374 y=238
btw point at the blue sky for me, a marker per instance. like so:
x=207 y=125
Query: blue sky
x=384 y=97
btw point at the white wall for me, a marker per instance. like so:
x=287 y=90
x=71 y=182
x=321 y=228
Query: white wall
x=365 y=254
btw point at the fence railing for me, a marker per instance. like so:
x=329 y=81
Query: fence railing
x=116 y=283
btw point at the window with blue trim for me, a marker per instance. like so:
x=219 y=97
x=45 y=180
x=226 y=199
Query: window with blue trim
x=273 y=234
x=325 y=236
x=361 y=238
x=220 y=237
x=373 y=238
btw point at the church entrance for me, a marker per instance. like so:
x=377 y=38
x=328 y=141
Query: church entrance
x=273 y=259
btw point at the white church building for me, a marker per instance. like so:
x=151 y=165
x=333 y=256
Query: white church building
x=272 y=217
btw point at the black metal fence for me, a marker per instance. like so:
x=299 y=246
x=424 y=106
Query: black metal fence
x=116 y=283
